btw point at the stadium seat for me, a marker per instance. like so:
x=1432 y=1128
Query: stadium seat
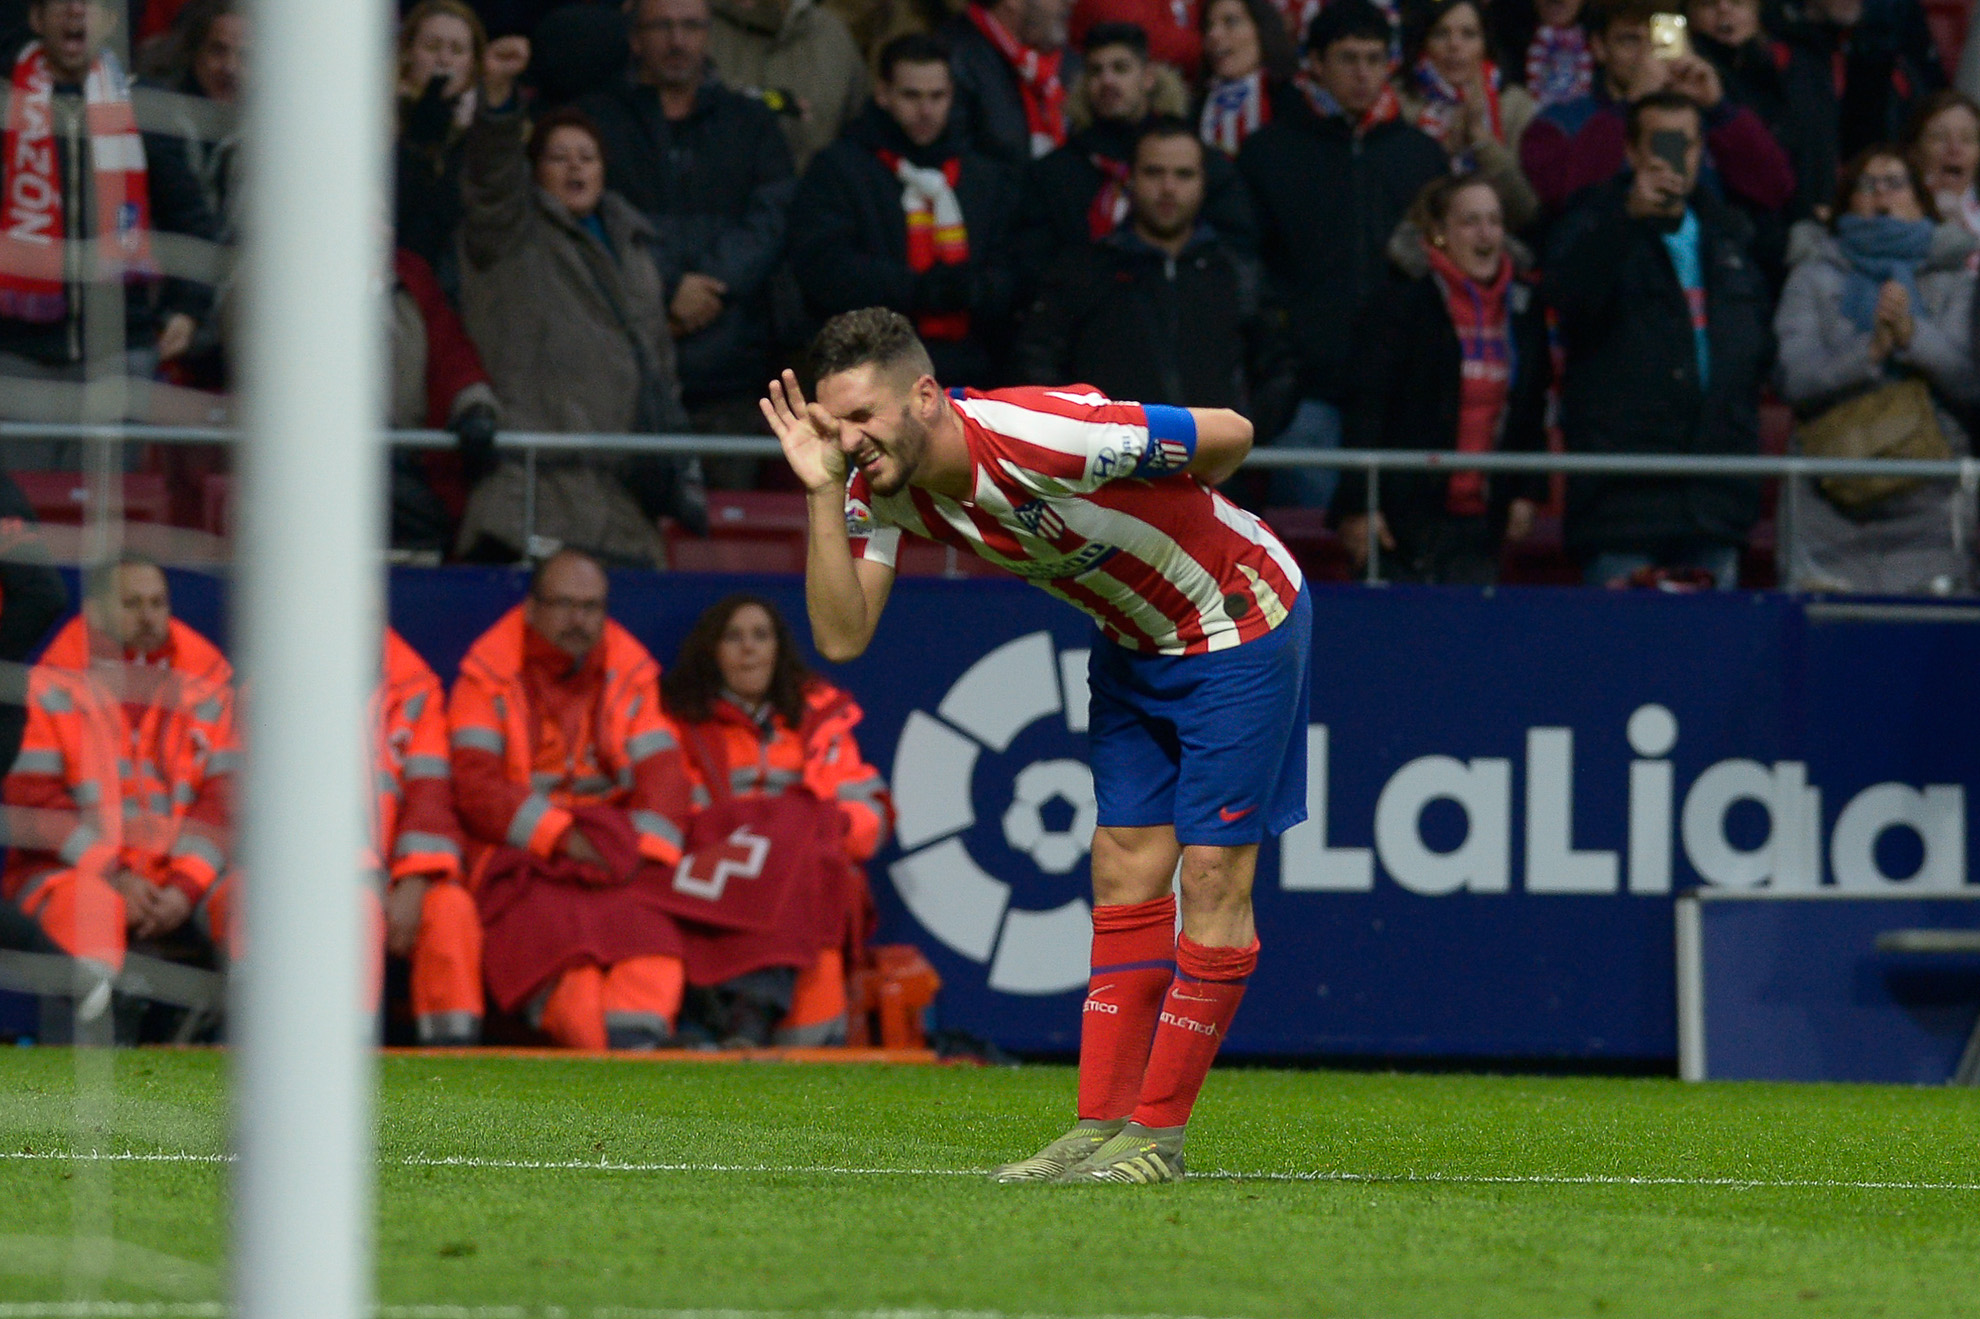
x=216 y=502
x=63 y=497
x=1541 y=559
x=1313 y=543
x=688 y=553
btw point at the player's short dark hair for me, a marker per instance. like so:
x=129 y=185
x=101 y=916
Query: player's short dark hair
x=1344 y=20
x=1102 y=35
x=912 y=48
x=542 y=566
x=1664 y=102
x=871 y=336
x=1162 y=127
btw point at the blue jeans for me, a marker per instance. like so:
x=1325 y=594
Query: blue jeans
x=1316 y=425
x=1720 y=561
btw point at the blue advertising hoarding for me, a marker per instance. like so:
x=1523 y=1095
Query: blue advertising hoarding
x=1507 y=787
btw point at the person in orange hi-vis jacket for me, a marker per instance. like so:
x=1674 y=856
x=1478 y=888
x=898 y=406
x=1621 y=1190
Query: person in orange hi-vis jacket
x=429 y=915
x=742 y=698
x=119 y=804
x=570 y=786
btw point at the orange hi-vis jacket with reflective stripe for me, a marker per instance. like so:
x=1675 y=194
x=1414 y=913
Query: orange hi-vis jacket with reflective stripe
x=766 y=757
x=416 y=829
x=632 y=760
x=154 y=796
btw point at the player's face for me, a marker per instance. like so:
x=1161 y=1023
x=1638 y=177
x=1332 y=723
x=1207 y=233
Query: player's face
x=747 y=652
x=880 y=431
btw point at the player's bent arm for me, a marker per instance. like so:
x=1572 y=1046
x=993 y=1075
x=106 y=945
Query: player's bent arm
x=843 y=595
x=1223 y=438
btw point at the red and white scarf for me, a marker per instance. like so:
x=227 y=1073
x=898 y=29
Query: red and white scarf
x=1110 y=203
x=936 y=234
x=1443 y=105
x=1038 y=82
x=1235 y=109
x=34 y=270
x=1485 y=364
x=1387 y=106
x=1558 y=66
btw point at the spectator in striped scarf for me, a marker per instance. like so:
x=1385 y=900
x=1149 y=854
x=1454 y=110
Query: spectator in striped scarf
x=1452 y=89
x=900 y=213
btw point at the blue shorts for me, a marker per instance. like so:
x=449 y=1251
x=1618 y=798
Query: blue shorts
x=1214 y=744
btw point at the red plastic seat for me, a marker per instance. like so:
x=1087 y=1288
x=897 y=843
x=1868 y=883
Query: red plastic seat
x=63 y=497
x=216 y=503
x=737 y=554
x=1314 y=546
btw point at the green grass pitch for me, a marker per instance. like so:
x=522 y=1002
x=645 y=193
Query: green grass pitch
x=514 y=1188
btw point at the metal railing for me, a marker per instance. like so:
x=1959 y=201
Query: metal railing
x=1964 y=473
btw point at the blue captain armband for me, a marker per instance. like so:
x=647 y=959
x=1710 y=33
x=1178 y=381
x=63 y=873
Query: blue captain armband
x=1171 y=441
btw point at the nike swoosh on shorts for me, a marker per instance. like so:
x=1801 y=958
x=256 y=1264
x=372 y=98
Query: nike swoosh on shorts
x=1229 y=816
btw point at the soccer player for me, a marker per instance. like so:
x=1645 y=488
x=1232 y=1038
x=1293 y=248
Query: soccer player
x=1198 y=685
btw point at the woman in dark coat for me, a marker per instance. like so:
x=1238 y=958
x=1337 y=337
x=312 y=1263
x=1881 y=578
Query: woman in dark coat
x=1454 y=359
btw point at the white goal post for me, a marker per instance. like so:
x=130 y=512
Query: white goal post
x=306 y=624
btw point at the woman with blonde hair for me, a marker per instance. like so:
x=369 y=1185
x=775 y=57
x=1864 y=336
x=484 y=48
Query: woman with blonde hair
x=442 y=51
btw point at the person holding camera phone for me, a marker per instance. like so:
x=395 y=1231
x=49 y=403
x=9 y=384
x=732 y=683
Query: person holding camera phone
x=1663 y=319
x=1577 y=145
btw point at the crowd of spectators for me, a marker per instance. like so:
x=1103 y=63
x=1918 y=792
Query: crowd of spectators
x=1606 y=226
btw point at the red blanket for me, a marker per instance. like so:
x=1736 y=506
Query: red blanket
x=764 y=883
x=541 y=918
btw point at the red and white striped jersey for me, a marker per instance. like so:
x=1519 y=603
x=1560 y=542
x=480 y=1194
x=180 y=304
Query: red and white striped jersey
x=1087 y=498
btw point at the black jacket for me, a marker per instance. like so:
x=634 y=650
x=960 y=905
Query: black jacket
x=1632 y=381
x=989 y=113
x=718 y=186
x=426 y=178
x=849 y=241
x=32 y=598
x=178 y=206
x=1888 y=66
x=1125 y=317
x=1791 y=89
x=1327 y=200
x=1407 y=371
x=1059 y=192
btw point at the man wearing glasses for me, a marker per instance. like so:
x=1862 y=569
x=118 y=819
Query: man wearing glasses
x=573 y=795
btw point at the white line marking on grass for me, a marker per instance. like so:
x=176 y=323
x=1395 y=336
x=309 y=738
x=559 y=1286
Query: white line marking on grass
x=833 y=1170
x=212 y=1310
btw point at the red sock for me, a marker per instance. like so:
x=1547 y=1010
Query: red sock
x=1209 y=985
x=1134 y=959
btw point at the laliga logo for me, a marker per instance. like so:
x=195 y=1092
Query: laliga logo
x=970 y=910
x=1791 y=857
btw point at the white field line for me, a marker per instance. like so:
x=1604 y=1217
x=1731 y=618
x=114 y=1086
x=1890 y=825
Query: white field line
x=215 y=1310
x=832 y=1170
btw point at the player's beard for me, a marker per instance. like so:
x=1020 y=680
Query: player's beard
x=903 y=454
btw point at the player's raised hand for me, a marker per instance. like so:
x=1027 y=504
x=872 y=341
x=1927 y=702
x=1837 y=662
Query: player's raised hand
x=809 y=434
